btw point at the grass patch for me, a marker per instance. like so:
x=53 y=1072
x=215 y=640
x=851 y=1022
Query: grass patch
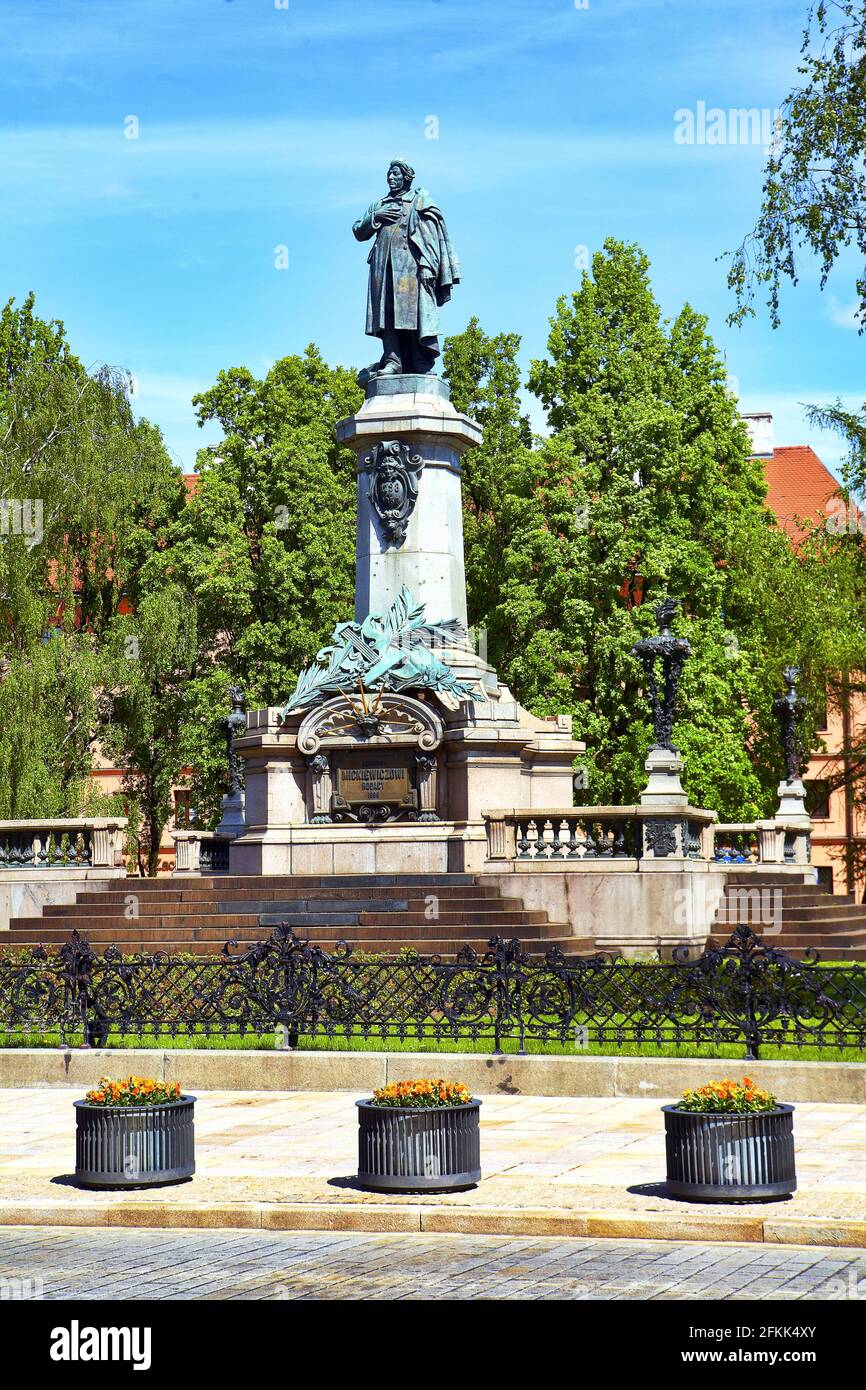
x=265 y=1042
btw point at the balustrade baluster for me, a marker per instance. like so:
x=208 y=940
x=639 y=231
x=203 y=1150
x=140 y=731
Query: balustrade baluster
x=523 y=840
x=556 y=843
x=540 y=846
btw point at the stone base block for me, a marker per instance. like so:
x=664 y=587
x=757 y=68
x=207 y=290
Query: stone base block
x=636 y=912
x=402 y=847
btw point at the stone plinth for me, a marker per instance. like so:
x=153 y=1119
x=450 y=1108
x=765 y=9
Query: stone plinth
x=461 y=761
x=414 y=411
x=664 y=788
x=233 y=819
x=792 y=803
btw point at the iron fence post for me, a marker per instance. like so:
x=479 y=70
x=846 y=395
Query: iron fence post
x=500 y=967
x=76 y=960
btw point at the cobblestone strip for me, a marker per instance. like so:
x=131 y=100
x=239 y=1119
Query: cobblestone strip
x=127 y=1264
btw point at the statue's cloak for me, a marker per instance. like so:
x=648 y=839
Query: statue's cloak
x=419 y=240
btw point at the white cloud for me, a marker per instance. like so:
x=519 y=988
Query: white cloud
x=845 y=315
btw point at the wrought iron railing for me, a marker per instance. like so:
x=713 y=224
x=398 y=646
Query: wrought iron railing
x=742 y=993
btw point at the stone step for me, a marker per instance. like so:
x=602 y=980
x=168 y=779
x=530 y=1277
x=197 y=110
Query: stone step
x=818 y=929
x=789 y=937
x=799 y=897
x=752 y=878
x=300 y=920
x=213 y=894
x=763 y=922
x=844 y=954
x=154 y=907
x=388 y=946
x=306 y=881
x=254 y=931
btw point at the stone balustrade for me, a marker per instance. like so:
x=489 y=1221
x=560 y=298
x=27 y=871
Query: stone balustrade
x=62 y=843
x=761 y=842
x=587 y=834
x=201 y=852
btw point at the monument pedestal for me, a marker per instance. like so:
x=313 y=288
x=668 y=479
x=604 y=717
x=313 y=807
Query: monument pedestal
x=409 y=440
x=385 y=760
x=326 y=793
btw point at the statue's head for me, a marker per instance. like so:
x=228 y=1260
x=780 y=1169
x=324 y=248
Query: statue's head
x=400 y=175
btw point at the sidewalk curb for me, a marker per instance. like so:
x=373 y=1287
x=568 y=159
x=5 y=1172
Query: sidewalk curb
x=429 y=1218
x=643 y=1078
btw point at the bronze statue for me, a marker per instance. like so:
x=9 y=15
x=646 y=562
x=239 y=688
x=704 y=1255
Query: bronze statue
x=412 y=269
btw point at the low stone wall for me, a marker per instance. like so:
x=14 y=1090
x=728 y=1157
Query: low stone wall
x=25 y=892
x=636 y=907
x=484 y=1074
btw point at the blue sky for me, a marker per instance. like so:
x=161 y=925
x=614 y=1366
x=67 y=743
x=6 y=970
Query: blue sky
x=267 y=123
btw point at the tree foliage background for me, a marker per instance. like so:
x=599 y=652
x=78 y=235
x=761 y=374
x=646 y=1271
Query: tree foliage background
x=813 y=208
x=142 y=602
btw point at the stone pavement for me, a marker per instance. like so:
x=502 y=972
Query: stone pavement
x=579 y=1167
x=64 y=1263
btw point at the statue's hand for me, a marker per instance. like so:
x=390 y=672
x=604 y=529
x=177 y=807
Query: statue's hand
x=388 y=212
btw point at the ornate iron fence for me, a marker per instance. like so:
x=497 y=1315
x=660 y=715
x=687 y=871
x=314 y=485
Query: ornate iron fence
x=742 y=993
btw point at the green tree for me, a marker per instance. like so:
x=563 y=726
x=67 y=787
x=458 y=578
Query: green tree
x=644 y=489
x=485 y=383
x=48 y=727
x=814 y=195
x=152 y=660
x=265 y=546
x=86 y=493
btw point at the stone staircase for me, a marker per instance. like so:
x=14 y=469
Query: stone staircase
x=429 y=913
x=793 y=916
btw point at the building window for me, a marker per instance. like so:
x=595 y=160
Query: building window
x=825 y=877
x=821 y=715
x=818 y=799
x=182 y=809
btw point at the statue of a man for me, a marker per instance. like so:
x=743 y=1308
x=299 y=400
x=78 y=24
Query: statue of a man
x=412 y=268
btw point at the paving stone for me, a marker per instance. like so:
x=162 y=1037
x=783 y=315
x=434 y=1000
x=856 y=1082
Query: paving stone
x=552 y=1166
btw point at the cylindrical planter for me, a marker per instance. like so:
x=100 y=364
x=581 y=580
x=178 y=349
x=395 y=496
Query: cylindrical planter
x=713 y=1157
x=403 y=1149
x=134 y=1145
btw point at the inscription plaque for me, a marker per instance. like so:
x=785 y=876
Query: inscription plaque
x=373 y=791
x=373 y=782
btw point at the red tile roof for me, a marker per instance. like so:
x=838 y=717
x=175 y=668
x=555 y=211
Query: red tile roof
x=798 y=486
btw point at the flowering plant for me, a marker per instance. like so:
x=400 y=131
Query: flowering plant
x=728 y=1097
x=422 y=1095
x=133 y=1090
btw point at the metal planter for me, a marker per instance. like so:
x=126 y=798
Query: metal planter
x=402 y=1149
x=134 y=1145
x=714 y=1157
